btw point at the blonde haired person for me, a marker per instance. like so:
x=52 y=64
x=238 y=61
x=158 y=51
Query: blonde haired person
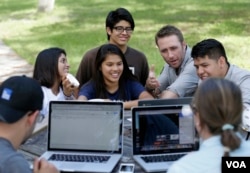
x=217 y=107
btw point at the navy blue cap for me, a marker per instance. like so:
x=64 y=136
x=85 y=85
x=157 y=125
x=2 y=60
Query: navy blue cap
x=18 y=95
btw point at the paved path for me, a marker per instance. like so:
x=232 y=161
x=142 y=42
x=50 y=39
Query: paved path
x=11 y=64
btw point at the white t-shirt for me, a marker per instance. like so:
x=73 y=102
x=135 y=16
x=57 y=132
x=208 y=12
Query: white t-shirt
x=49 y=96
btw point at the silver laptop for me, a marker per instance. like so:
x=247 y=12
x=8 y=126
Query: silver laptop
x=172 y=101
x=162 y=135
x=84 y=136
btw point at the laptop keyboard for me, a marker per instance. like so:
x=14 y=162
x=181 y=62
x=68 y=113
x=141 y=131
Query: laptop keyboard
x=79 y=158
x=162 y=158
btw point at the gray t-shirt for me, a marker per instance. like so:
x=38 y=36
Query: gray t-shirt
x=242 y=78
x=185 y=83
x=10 y=160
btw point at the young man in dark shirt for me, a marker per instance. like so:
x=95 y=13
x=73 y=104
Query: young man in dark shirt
x=119 y=28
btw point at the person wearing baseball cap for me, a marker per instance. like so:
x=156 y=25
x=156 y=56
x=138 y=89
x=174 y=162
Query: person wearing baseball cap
x=21 y=100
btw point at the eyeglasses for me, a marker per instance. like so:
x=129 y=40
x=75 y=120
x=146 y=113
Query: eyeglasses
x=40 y=118
x=120 y=29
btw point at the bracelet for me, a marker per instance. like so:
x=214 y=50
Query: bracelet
x=149 y=89
x=157 y=91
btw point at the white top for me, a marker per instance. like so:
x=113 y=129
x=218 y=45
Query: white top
x=49 y=96
x=208 y=158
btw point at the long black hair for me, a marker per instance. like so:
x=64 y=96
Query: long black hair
x=98 y=78
x=46 y=66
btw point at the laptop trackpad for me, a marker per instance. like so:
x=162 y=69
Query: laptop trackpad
x=69 y=166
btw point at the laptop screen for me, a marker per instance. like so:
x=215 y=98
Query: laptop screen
x=86 y=126
x=172 y=101
x=162 y=129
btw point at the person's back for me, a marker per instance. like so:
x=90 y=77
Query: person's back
x=15 y=161
x=21 y=99
x=217 y=107
x=209 y=159
x=119 y=28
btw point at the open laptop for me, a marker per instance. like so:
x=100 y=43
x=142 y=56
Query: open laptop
x=163 y=132
x=84 y=136
x=172 y=101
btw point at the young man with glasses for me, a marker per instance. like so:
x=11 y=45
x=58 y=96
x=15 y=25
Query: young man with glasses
x=119 y=28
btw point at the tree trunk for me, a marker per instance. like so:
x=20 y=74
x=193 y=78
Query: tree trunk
x=46 y=5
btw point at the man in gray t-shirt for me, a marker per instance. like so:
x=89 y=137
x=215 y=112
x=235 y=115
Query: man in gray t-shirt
x=21 y=99
x=178 y=77
x=210 y=60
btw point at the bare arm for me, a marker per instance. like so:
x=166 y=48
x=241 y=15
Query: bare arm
x=130 y=104
x=168 y=94
x=133 y=103
x=82 y=98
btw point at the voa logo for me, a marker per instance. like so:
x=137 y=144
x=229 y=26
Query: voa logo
x=236 y=164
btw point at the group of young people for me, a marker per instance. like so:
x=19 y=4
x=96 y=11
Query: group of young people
x=116 y=72
x=128 y=77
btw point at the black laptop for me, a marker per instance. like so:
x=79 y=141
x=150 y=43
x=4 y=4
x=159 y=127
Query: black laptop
x=161 y=135
x=158 y=102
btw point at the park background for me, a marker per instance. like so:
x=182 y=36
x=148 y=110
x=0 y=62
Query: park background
x=79 y=25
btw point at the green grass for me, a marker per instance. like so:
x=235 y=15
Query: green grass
x=79 y=25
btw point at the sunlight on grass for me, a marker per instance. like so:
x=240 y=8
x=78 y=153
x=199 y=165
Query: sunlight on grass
x=80 y=25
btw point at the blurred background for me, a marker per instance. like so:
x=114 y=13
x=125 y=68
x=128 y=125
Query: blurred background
x=78 y=25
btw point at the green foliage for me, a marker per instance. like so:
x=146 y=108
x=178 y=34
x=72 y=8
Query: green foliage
x=79 y=25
